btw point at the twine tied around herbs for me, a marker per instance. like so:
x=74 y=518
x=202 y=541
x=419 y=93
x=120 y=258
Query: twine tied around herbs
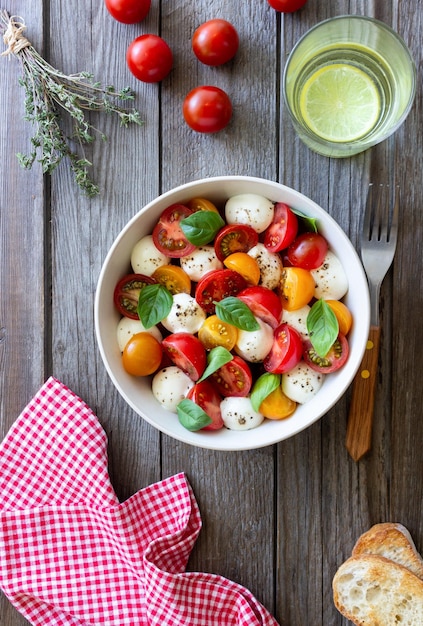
x=13 y=36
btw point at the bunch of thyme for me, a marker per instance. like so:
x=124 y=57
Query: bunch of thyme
x=50 y=93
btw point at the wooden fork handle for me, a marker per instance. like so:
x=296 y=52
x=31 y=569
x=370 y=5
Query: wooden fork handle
x=360 y=419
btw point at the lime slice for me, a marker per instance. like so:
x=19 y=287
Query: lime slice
x=340 y=103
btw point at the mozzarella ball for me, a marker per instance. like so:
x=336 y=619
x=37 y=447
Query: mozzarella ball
x=185 y=316
x=171 y=385
x=254 y=346
x=238 y=414
x=270 y=265
x=201 y=261
x=127 y=328
x=145 y=258
x=250 y=208
x=297 y=319
x=302 y=383
x=331 y=279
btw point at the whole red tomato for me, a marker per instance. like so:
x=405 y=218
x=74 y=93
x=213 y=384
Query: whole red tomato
x=286 y=6
x=207 y=109
x=215 y=42
x=128 y=11
x=149 y=58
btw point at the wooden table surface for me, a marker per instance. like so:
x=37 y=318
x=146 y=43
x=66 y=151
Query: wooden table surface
x=281 y=519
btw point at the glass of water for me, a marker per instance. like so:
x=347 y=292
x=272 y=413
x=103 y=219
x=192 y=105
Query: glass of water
x=348 y=84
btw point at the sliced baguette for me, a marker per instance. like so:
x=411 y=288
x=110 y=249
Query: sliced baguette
x=393 y=541
x=371 y=590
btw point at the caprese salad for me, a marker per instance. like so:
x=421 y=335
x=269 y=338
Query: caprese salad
x=236 y=314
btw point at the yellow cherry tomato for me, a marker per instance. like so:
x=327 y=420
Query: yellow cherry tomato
x=277 y=405
x=296 y=288
x=245 y=265
x=201 y=204
x=142 y=355
x=173 y=278
x=214 y=333
x=343 y=315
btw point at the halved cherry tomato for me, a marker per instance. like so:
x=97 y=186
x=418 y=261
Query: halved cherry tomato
x=168 y=235
x=215 y=333
x=233 y=378
x=187 y=352
x=296 y=288
x=142 y=355
x=333 y=360
x=208 y=398
x=128 y=11
x=207 y=109
x=173 y=278
x=215 y=42
x=215 y=286
x=286 y=351
x=308 y=250
x=264 y=303
x=127 y=293
x=277 y=405
x=245 y=265
x=343 y=315
x=234 y=238
x=201 y=204
x=283 y=229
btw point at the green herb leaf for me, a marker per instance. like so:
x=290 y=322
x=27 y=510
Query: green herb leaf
x=322 y=327
x=191 y=416
x=310 y=222
x=154 y=304
x=217 y=357
x=263 y=387
x=233 y=311
x=201 y=227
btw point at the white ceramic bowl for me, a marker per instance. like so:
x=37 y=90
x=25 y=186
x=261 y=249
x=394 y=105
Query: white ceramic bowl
x=137 y=391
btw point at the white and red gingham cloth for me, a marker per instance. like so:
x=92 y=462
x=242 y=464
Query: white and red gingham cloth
x=72 y=555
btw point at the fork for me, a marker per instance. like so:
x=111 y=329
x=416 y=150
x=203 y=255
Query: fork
x=378 y=243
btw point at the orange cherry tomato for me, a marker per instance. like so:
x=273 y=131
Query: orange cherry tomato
x=142 y=355
x=201 y=204
x=296 y=288
x=343 y=315
x=245 y=265
x=173 y=278
x=215 y=333
x=277 y=405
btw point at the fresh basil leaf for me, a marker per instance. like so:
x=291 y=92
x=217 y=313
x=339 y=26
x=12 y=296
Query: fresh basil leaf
x=154 y=304
x=217 y=357
x=310 y=222
x=233 y=311
x=263 y=387
x=322 y=327
x=191 y=416
x=201 y=227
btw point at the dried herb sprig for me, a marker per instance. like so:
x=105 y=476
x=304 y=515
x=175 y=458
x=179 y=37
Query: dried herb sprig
x=50 y=93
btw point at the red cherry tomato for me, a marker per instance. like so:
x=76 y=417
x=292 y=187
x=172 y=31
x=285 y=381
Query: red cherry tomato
x=208 y=398
x=264 y=303
x=333 y=360
x=286 y=351
x=308 y=251
x=128 y=11
x=215 y=286
x=127 y=293
x=215 y=42
x=286 y=6
x=187 y=352
x=283 y=229
x=234 y=238
x=233 y=378
x=149 y=58
x=168 y=236
x=207 y=109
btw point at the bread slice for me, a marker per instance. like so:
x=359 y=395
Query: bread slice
x=392 y=541
x=371 y=590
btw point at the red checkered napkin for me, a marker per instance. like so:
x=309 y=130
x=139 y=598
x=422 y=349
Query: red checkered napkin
x=72 y=555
